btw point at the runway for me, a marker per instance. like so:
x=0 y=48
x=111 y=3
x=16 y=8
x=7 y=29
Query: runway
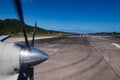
x=79 y=58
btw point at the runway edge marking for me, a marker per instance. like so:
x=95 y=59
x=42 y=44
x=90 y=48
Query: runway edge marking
x=116 y=45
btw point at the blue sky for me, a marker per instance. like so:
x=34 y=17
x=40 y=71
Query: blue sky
x=81 y=16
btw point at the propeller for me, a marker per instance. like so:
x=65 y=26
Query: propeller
x=34 y=55
x=20 y=15
x=31 y=73
x=26 y=71
x=32 y=43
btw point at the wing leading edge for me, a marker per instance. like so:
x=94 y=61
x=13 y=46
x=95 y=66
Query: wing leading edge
x=4 y=37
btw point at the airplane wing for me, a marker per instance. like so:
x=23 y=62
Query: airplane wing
x=4 y=37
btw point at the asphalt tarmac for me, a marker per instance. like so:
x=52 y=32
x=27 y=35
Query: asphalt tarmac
x=79 y=58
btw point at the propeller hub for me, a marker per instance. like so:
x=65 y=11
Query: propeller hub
x=32 y=57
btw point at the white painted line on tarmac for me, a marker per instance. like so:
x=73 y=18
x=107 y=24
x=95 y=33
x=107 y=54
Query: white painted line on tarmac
x=116 y=45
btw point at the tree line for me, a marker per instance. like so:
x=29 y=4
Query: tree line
x=14 y=27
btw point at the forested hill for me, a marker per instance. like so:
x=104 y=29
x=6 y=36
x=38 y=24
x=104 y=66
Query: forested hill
x=13 y=27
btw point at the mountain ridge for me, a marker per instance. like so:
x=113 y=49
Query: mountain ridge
x=14 y=27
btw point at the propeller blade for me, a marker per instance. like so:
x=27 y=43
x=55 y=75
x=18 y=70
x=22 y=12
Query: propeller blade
x=31 y=73
x=20 y=15
x=32 y=43
x=24 y=73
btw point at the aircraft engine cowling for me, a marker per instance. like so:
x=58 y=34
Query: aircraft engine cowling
x=9 y=59
x=17 y=61
x=16 y=57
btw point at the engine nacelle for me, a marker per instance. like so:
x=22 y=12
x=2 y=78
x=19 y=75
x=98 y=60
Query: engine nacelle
x=13 y=57
x=9 y=59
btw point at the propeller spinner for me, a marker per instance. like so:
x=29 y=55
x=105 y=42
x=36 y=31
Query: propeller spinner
x=29 y=56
